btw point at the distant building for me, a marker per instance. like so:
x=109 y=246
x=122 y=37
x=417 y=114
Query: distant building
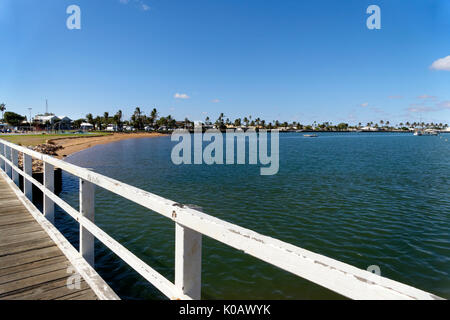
x=86 y=126
x=370 y=129
x=61 y=122
x=3 y=127
x=112 y=128
x=46 y=119
x=65 y=123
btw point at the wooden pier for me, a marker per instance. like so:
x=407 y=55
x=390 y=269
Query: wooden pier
x=37 y=262
x=32 y=267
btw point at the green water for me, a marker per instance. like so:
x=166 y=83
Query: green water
x=364 y=199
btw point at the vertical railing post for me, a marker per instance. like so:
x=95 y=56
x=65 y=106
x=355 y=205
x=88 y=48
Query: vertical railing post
x=2 y=152
x=188 y=261
x=28 y=169
x=87 y=210
x=8 y=156
x=15 y=162
x=49 y=183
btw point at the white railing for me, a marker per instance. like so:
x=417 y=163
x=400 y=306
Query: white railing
x=191 y=224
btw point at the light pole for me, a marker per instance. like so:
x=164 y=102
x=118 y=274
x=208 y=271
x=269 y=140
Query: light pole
x=29 y=109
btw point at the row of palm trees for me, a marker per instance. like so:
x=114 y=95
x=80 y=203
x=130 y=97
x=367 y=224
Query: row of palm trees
x=140 y=120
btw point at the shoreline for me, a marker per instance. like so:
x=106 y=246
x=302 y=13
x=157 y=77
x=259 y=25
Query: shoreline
x=74 y=145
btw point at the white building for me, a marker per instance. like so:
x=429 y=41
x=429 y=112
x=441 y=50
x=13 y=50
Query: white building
x=111 y=128
x=63 y=122
x=370 y=129
x=86 y=126
x=50 y=119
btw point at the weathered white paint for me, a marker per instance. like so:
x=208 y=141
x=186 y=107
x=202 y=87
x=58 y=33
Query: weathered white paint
x=161 y=283
x=15 y=161
x=92 y=278
x=8 y=157
x=87 y=210
x=49 y=183
x=332 y=274
x=188 y=261
x=2 y=153
x=28 y=169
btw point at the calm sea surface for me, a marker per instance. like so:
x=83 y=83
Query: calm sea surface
x=365 y=199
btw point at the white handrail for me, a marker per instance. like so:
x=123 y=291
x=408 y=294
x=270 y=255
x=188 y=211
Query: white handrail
x=337 y=276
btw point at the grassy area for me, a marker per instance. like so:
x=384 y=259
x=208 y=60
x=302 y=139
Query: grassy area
x=36 y=139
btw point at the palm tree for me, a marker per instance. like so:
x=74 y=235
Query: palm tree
x=153 y=116
x=106 y=118
x=90 y=118
x=171 y=122
x=98 y=122
x=118 y=119
x=2 y=108
x=138 y=117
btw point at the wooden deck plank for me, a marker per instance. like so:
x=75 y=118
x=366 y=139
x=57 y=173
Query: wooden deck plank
x=17 y=276
x=32 y=267
x=27 y=257
x=11 y=220
x=31 y=282
x=25 y=246
x=79 y=295
x=36 y=235
x=49 y=291
x=12 y=208
x=20 y=229
x=17 y=225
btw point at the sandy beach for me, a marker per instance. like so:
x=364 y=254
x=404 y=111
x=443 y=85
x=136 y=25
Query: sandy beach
x=76 y=144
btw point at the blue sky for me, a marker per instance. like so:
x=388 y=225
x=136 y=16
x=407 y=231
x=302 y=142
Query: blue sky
x=287 y=60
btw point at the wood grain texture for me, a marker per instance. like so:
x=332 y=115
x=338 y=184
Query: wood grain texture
x=32 y=267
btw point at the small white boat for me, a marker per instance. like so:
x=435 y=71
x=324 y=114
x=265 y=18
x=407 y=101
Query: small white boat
x=310 y=135
x=430 y=132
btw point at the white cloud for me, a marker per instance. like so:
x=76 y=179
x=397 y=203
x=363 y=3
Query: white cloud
x=215 y=101
x=365 y=104
x=444 y=104
x=425 y=96
x=139 y=3
x=395 y=97
x=441 y=64
x=421 y=109
x=181 y=96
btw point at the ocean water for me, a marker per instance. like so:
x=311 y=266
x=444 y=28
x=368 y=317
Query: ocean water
x=362 y=198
